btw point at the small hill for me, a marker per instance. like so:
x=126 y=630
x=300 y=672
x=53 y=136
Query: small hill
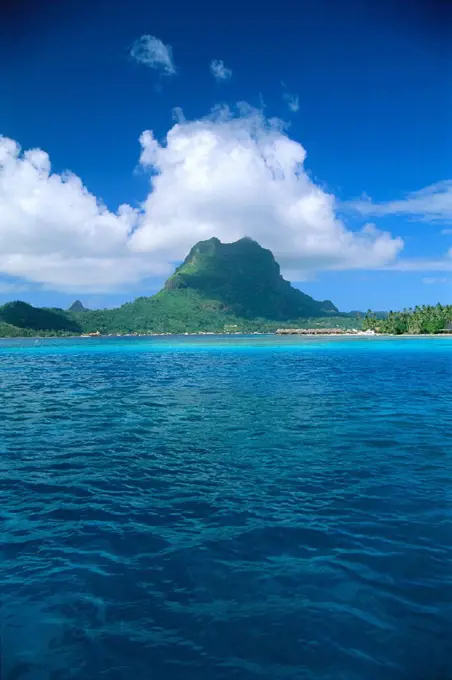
x=76 y=307
x=21 y=315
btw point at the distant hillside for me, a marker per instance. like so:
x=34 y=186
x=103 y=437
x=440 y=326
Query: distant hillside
x=20 y=317
x=219 y=285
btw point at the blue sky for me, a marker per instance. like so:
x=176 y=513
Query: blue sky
x=363 y=89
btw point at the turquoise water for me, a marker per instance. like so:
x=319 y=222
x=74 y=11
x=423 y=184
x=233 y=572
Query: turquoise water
x=226 y=507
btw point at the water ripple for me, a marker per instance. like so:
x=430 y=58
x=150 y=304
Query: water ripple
x=242 y=508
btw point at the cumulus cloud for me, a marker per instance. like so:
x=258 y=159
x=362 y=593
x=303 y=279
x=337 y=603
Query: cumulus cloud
x=152 y=52
x=54 y=232
x=230 y=176
x=292 y=101
x=433 y=203
x=225 y=175
x=219 y=70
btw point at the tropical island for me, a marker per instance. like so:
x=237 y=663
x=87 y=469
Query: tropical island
x=425 y=320
x=219 y=288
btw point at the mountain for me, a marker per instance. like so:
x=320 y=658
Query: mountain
x=219 y=285
x=76 y=306
x=246 y=280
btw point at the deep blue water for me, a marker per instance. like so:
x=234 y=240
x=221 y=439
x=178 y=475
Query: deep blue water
x=244 y=508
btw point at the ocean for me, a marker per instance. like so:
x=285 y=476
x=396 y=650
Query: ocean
x=244 y=508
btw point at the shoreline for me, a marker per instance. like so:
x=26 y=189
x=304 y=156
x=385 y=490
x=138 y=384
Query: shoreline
x=359 y=335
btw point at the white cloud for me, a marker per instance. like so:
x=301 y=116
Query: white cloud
x=420 y=264
x=178 y=114
x=152 y=52
x=226 y=176
x=229 y=176
x=219 y=70
x=292 y=101
x=433 y=203
x=446 y=232
x=432 y=280
x=8 y=288
x=54 y=232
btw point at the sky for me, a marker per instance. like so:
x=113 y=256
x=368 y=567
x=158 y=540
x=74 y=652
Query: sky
x=131 y=130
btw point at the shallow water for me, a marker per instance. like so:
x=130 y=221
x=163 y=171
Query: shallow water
x=231 y=507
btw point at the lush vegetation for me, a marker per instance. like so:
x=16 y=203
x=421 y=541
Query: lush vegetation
x=235 y=287
x=186 y=311
x=21 y=319
x=219 y=287
x=245 y=280
x=181 y=313
x=419 y=320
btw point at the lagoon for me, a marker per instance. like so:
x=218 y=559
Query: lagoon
x=226 y=507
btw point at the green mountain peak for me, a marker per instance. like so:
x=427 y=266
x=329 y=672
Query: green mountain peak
x=77 y=307
x=245 y=279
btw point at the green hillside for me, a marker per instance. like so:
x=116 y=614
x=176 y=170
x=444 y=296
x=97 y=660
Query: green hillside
x=19 y=318
x=235 y=286
x=246 y=280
